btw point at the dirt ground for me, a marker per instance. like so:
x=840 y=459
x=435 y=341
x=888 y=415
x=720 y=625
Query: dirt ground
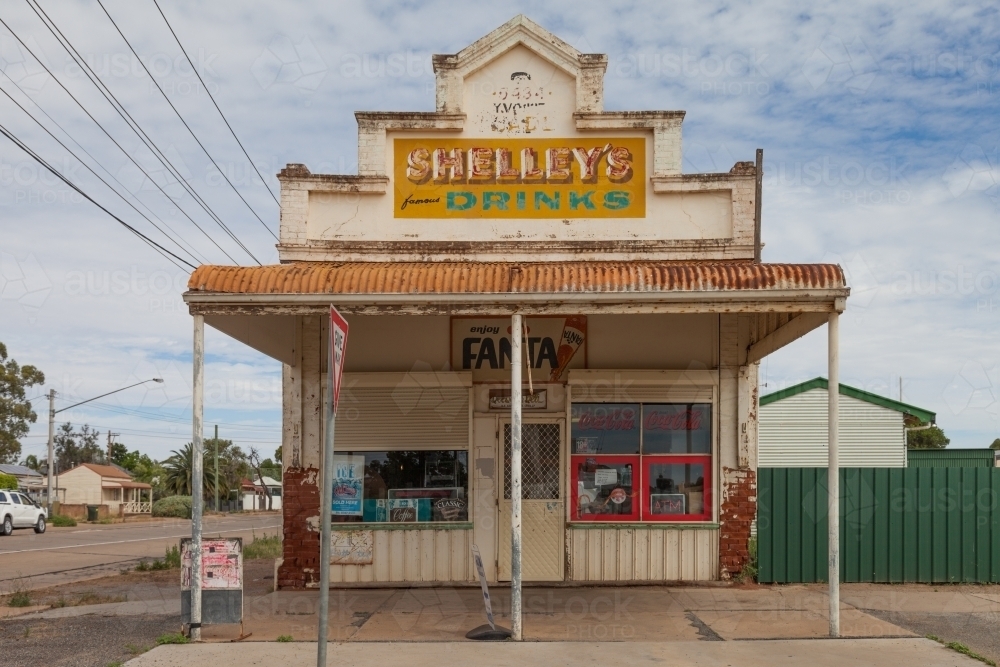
x=99 y=640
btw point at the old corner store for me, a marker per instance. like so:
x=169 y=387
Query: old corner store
x=647 y=311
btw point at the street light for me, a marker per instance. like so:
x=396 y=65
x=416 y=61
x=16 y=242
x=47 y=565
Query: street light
x=52 y=424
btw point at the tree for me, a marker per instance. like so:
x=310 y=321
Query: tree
x=178 y=474
x=134 y=461
x=233 y=465
x=15 y=411
x=76 y=447
x=996 y=444
x=31 y=461
x=929 y=438
x=257 y=464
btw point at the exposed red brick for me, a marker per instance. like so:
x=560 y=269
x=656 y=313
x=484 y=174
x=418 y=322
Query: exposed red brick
x=737 y=513
x=300 y=564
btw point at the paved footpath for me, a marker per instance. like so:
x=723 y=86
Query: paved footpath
x=788 y=653
x=87 y=551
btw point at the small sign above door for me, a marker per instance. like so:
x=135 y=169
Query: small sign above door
x=500 y=399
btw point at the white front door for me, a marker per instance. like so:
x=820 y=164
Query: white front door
x=543 y=502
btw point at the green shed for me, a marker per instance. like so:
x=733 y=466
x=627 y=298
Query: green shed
x=951 y=458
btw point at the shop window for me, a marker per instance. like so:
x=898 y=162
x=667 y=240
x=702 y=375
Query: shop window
x=605 y=488
x=401 y=486
x=641 y=462
x=677 y=488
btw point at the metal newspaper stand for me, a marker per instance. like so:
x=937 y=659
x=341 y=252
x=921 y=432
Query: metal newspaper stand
x=221 y=581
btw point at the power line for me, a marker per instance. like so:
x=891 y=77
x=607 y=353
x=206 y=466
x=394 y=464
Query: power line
x=97 y=175
x=130 y=412
x=130 y=121
x=20 y=144
x=115 y=142
x=179 y=116
x=231 y=131
x=190 y=248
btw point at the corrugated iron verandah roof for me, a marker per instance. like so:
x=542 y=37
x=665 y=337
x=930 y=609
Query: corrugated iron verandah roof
x=522 y=277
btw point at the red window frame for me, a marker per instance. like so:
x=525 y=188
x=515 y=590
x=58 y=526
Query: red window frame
x=707 y=499
x=637 y=487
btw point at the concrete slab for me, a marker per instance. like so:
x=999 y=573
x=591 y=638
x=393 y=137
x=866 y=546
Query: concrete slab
x=791 y=653
x=794 y=624
x=133 y=608
x=426 y=625
x=10 y=612
x=941 y=601
x=648 y=626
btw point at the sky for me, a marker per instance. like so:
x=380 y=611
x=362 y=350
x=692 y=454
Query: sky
x=877 y=120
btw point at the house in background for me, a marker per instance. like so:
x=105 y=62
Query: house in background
x=793 y=428
x=93 y=484
x=254 y=497
x=32 y=482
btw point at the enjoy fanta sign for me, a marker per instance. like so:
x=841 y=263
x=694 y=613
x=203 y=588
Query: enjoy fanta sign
x=585 y=177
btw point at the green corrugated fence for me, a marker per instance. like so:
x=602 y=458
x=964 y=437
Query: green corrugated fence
x=896 y=525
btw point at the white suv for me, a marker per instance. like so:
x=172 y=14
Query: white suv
x=18 y=511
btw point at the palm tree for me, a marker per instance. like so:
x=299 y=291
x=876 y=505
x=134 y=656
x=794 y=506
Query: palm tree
x=178 y=474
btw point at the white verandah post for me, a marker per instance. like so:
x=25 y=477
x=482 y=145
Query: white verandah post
x=197 y=466
x=516 y=331
x=833 y=471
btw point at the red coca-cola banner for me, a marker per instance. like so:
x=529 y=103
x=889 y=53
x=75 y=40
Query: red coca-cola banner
x=687 y=420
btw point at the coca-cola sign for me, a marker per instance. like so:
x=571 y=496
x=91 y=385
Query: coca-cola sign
x=606 y=428
x=607 y=419
x=672 y=420
x=676 y=428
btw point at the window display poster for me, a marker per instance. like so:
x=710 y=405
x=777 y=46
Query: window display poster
x=403 y=510
x=666 y=503
x=605 y=476
x=348 y=484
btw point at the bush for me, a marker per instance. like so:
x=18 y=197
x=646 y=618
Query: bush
x=8 y=481
x=175 y=506
x=173 y=557
x=266 y=546
x=60 y=521
x=19 y=599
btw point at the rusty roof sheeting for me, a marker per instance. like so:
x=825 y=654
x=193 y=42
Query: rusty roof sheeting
x=497 y=277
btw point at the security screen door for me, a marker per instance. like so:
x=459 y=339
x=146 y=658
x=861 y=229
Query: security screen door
x=543 y=510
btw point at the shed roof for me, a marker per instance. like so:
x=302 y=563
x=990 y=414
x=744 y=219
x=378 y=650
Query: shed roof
x=107 y=471
x=504 y=277
x=18 y=471
x=951 y=457
x=853 y=392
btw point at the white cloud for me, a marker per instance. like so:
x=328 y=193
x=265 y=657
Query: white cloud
x=876 y=123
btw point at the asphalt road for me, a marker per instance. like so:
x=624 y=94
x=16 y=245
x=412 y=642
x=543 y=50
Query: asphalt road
x=62 y=555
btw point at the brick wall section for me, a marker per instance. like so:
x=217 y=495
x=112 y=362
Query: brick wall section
x=739 y=508
x=300 y=508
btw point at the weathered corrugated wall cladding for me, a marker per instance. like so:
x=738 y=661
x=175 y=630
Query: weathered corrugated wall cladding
x=492 y=277
x=896 y=525
x=413 y=555
x=793 y=433
x=610 y=553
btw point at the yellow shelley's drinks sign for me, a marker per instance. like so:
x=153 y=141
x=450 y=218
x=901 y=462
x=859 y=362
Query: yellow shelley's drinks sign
x=585 y=177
